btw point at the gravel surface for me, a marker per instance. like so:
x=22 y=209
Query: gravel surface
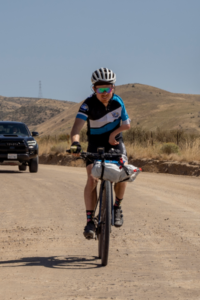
x=43 y=254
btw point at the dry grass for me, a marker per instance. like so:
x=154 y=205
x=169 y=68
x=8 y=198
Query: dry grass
x=55 y=146
x=188 y=151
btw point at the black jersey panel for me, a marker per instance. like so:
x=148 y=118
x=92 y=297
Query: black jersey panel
x=101 y=120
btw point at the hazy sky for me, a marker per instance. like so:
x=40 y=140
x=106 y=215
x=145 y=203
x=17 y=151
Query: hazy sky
x=61 y=42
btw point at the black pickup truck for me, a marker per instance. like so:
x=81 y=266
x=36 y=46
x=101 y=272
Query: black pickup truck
x=17 y=146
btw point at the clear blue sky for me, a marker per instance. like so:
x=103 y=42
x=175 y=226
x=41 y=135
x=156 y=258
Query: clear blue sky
x=61 y=42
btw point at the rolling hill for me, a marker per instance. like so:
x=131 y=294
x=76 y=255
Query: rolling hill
x=32 y=111
x=147 y=106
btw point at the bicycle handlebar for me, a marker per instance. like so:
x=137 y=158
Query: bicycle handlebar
x=100 y=156
x=95 y=156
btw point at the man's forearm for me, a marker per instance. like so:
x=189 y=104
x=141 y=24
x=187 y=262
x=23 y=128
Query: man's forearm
x=75 y=133
x=121 y=128
x=75 y=136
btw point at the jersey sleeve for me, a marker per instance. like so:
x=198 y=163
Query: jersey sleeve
x=124 y=116
x=83 y=111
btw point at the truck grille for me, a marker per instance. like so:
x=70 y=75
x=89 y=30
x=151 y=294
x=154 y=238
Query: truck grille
x=10 y=146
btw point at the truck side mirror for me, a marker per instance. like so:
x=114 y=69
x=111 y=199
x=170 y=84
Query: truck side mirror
x=35 y=133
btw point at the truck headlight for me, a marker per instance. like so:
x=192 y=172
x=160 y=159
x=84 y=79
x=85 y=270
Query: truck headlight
x=31 y=144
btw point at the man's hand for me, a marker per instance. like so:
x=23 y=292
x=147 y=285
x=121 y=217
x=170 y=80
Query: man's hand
x=112 y=141
x=75 y=149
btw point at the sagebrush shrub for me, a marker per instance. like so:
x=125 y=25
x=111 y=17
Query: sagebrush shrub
x=169 y=148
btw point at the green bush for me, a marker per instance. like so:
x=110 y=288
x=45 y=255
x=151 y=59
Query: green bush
x=169 y=148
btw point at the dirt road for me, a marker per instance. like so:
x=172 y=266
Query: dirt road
x=43 y=254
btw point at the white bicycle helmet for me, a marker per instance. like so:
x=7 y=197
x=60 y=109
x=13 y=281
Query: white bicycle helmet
x=103 y=75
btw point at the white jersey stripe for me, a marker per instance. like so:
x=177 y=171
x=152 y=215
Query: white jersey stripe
x=128 y=121
x=109 y=118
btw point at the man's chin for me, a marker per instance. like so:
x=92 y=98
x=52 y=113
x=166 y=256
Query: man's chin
x=105 y=100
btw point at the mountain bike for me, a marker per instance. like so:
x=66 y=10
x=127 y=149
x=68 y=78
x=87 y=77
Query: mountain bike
x=104 y=210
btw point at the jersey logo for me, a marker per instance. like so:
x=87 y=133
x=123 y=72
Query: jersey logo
x=84 y=107
x=115 y=114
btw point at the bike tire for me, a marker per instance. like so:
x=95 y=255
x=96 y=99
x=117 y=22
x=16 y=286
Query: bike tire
x=104 y=236
x=99 y=245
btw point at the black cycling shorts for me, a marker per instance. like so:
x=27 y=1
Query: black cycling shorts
x=93 y=149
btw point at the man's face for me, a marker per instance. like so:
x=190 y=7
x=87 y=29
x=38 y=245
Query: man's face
x=104 y=93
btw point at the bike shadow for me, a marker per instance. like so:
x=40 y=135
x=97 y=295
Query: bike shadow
x=56 y=262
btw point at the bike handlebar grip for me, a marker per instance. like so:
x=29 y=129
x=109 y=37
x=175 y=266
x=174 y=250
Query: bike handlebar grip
x=72 y=149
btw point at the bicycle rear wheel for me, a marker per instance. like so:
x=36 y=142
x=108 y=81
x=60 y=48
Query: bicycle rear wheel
x=104 y=235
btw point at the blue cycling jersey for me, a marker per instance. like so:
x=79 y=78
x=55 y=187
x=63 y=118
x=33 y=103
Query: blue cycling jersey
x=101 y=120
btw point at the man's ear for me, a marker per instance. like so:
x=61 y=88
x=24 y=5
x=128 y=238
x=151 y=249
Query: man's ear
x=93 y=88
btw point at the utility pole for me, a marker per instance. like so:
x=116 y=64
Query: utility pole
x=40 y=90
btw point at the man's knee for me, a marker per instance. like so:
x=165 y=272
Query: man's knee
x=92 y=182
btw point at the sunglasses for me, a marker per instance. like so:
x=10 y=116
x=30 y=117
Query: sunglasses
x=102 y=90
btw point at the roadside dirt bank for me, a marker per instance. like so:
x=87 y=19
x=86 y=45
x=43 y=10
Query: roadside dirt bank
x=147 y=165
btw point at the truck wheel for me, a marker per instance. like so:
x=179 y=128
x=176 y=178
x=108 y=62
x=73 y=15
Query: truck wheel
x=22 y=168
x=33 y=165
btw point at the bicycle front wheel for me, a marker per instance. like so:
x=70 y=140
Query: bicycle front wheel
x=104 y=236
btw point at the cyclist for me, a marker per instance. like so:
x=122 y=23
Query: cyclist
x=106 y=118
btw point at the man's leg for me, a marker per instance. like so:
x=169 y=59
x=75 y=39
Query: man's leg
x=120 y=189
x=119 y=192
x=90 y=196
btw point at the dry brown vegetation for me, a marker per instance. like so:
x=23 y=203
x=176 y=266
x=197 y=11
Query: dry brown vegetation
x=140 y=143
x=188 y=152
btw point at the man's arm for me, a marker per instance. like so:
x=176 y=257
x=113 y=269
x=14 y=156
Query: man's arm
x=112 y=139
x=75 y=133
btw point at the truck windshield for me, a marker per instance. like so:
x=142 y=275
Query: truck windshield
x=13 y=129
